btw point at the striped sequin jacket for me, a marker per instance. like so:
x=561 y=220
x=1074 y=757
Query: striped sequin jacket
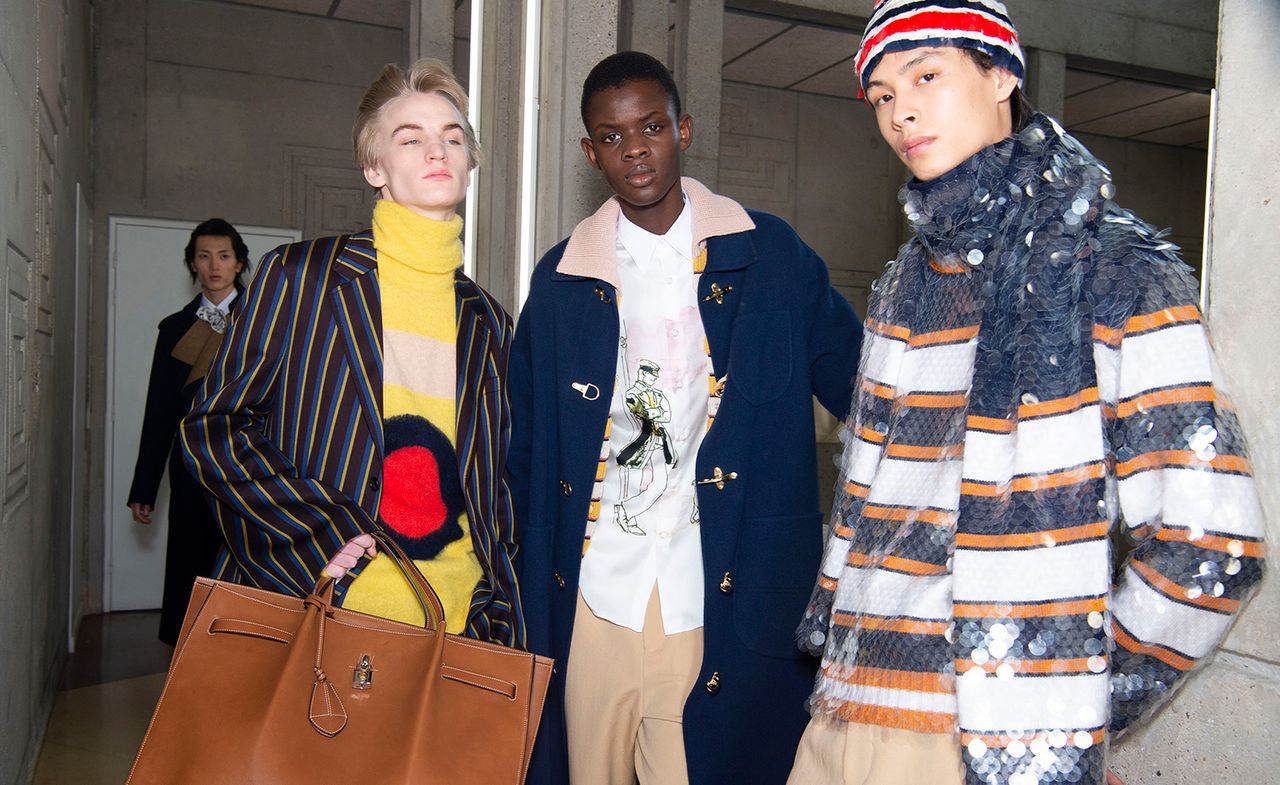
x=1036 y=374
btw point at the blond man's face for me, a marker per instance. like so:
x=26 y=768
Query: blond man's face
x=422 y=155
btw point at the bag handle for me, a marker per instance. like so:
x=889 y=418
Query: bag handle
x=428 y=600
x=432 y=609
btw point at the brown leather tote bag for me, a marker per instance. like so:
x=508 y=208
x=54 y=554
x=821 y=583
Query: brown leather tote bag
x=266 y=689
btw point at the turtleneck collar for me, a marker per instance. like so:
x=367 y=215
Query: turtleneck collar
x=960 y=215
x=404 y=237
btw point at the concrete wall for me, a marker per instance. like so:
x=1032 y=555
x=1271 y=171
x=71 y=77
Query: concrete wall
x=212 y=108
x=766 y=150
x=576 y=34
x=1220 y=728
x=44 y=143
x=819 y=163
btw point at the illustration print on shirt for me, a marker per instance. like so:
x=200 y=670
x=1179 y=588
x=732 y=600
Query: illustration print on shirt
x=422 y=493
x=646 y=463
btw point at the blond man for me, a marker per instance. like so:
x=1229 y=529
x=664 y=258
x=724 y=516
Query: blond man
x=362 y=389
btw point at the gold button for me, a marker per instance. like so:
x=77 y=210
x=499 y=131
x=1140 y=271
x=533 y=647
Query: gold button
x=718 y=478
x=559 y=579
x=726 y=583
x=603 y=295
x=566 y=488
x=717 y=293
x=713 y=683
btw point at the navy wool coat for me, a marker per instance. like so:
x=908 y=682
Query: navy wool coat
x=194 y=538
x=782 y=335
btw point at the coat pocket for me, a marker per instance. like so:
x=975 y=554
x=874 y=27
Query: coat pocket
x=760 y=355
x=774 y=570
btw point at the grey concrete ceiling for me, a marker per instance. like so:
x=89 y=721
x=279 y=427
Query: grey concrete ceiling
x=388 y=13
x=777 y=53
x=1127 y=109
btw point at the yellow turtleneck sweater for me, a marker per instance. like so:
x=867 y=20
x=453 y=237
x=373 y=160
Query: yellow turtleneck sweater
x=422 y=504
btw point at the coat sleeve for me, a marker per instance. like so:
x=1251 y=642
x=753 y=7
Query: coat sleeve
x=528 y=453
x=504 y=513
x=520 y=394
x=280 y=525
x=835 y=342
x=160 y=420
x=1183 y=487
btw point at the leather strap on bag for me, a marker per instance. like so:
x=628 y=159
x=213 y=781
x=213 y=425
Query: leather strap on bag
x=326 y=712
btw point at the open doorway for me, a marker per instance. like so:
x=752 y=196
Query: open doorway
x=148 y=281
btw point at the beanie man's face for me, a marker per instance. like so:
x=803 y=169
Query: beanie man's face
x=936 y=107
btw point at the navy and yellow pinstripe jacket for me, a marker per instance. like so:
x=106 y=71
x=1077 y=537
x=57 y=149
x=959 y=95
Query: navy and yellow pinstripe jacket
x=287 y=434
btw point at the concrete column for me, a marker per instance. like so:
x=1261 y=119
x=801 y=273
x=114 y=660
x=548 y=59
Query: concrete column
x=1219 y=726
x=1046 y=81
x=430 y=31
x=576 y=34
x=645 y=26
x=699 y=44
x=497 y=180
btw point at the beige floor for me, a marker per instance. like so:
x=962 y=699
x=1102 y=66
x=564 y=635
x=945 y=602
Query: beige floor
x=109 y=689
x=95 y=731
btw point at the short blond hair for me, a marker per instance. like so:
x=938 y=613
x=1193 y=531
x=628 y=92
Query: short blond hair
x=427 y=75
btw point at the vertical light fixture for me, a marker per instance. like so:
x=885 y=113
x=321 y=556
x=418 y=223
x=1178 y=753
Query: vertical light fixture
x=1206 y=243
x=529 y=145
x=474 y=81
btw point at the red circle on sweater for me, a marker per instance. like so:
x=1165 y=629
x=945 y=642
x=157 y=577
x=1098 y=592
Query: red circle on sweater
x=411 y=500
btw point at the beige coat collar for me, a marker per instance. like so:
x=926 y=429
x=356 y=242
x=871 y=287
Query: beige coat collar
x=591 y=254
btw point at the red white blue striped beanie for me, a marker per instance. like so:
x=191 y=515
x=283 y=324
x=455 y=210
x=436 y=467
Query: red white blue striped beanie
x=899 y=25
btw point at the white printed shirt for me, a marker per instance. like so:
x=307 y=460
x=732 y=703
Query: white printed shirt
x=648 y=530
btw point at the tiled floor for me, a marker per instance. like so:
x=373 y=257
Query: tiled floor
x=110 y=687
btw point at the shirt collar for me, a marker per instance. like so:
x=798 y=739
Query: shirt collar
x=640 y=243
x=223 y=306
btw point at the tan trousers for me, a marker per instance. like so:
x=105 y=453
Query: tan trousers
x=832 y=752
x=624 y=699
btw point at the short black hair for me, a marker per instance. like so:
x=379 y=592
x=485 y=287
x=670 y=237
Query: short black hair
x=618 y=69
x=217 y=227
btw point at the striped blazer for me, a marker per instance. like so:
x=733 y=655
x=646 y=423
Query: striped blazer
x=287 y=434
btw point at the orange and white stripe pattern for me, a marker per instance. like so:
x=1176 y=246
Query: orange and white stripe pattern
x=991 y=613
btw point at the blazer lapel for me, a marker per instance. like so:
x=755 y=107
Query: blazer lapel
x=358 y=312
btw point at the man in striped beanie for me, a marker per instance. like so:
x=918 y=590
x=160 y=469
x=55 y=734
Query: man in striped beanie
x=1035 y=371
